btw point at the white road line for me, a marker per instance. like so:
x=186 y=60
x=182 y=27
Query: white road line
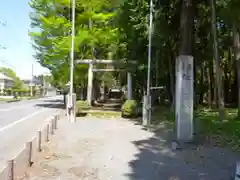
x=25 y=118
x=28 y=103
x=16 y=106
x=8 y=109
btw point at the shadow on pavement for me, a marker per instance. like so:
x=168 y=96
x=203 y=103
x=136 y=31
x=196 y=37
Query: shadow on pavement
x=156 y=160
x=54 y=101
x=116 y=109
x=47 y=105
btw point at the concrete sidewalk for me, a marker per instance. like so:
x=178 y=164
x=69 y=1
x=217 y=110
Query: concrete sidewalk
x=116 y=149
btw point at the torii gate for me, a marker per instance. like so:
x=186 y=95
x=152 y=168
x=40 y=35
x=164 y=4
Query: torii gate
x=91 y=62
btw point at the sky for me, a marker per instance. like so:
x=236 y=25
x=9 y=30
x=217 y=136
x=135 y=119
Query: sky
x=18 y=54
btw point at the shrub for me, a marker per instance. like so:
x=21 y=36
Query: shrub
x=130 y=108
x=19 y=91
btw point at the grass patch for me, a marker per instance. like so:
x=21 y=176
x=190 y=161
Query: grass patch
x=99 y=114
x=18 y=99
x=6 y=99
x=84 y=109
x=208 y=126
x=222 y=134
x=161 y=114
x=104 y=114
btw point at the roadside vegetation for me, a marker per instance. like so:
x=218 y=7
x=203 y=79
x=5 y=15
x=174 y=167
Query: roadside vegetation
x=119 y=30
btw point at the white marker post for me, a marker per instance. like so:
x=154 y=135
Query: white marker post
x=71 y=97
x=237 y=173
x=184 y=98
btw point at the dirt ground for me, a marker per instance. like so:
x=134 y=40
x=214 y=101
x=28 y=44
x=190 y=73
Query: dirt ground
x=117 y=149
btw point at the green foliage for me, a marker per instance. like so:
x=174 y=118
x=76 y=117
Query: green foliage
x=130 y=108
x=122 y=29
x=18 y=84
x=52 y=40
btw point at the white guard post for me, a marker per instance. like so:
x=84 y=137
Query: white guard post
x=237 y=173
x=184 y=98
x=129 y=84
x=71 y=108
x=146 y=114
x=90 y=84
x=144 y=111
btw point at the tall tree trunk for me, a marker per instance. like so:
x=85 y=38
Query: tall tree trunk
x=201 y=85
x=184 y=75
x=217 y=59
x=236 y=37
x=157 y=69
x=172 y=86
x=186 y=28
x=209 y=74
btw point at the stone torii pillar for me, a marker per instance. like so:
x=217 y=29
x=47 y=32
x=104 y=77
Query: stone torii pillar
x=90 y=83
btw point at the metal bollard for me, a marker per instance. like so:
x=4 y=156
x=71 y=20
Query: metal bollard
x=237 y=174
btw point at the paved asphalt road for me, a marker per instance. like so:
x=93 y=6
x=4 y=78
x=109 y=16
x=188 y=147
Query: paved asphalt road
x=19 y=122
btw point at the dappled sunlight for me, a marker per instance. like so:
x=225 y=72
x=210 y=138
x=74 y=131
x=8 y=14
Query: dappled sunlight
x=156 y=160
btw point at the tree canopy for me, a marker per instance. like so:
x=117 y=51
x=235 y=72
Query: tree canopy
x=121 y=27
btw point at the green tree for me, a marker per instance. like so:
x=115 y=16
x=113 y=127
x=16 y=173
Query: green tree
x=18 y=84
x=52 y=41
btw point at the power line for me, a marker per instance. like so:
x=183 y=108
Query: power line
x=7 y=63
x=3 y=23
x=2 y=47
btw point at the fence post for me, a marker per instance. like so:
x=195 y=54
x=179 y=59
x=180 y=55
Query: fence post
x=39 y=136
x=10 y=170
x=52 y=125
x=47 y=133
x=55 y=122
x=29 y=153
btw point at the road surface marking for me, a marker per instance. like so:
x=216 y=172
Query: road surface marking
x=16 y=106
x=28 y=102
x=25 y=118
x=8 y=109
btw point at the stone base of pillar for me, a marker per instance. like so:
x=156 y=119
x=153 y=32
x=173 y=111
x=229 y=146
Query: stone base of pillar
x=129 y=86
x=146 y=114
x=71 y=108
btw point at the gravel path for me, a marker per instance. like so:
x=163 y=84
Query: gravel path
x=116 y=149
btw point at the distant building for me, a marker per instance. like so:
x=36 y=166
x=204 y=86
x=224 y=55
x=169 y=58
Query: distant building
x=5 y=82
x=32 y=82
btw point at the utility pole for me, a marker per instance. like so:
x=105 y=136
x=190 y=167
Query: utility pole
x=43 y=79
x=72 y=97
x=220 y=100
x=147 y=98
x=5 y=25
x=31 y=83
x=90 y=73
